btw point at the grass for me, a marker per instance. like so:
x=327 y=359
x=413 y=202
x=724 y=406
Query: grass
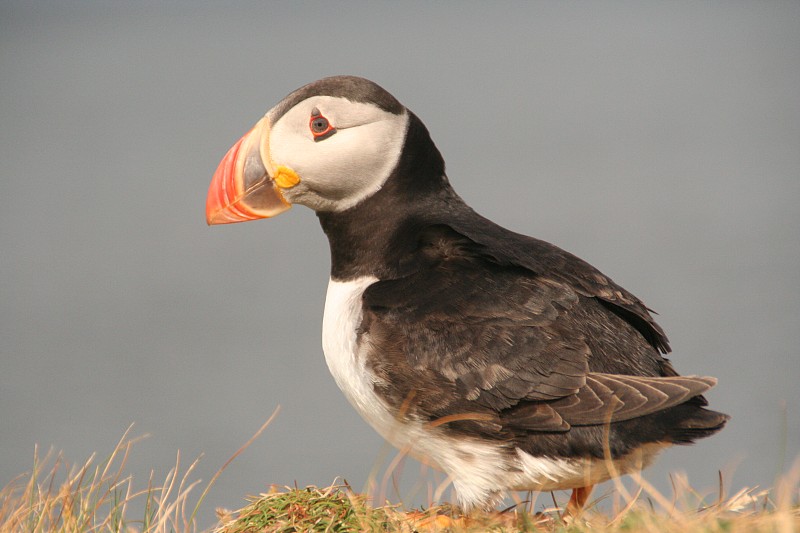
x=339 y=509
x=96 y=496
x=93 y=496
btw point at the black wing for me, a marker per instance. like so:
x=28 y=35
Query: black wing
x=506 y=247
x=516 y=350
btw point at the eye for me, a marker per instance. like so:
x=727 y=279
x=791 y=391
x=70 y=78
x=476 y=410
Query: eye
x=320 y=126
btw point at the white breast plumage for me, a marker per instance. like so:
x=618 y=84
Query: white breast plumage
x=339 y=325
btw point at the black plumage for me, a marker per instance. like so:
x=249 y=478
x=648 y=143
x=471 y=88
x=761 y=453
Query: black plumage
x=469 y=318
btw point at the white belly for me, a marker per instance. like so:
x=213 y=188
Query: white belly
x=480 y=470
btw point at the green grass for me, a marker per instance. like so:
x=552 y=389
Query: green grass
x=334 y=509
x=96 y=496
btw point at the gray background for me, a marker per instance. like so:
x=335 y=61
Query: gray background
x=658 y=141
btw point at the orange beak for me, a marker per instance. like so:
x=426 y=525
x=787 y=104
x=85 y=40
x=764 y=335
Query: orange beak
x=242 y=188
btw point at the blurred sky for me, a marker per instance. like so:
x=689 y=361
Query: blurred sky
x=660 y=141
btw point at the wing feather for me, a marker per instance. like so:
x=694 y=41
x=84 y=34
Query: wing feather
x=462 y=333
x=618 y=397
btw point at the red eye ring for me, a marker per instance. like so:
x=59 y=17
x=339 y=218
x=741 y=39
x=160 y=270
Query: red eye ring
x=320 y=127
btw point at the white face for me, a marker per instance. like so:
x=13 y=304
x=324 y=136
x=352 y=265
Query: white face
x=340 y=170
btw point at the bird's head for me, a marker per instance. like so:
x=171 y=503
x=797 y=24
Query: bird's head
x=328 y=145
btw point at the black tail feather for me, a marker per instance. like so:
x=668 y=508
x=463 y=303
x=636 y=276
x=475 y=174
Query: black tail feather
x=697 y=424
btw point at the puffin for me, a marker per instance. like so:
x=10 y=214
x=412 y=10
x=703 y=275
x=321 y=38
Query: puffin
x=498 y=358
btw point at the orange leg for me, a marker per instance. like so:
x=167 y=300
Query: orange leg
x=578 y=500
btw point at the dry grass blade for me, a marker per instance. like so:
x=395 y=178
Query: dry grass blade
x=88 y=498
x=94 y=496
x=234 y=456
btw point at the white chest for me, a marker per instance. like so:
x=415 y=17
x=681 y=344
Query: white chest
x=339 y=324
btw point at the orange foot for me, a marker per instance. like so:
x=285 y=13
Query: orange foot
x=577 y=501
